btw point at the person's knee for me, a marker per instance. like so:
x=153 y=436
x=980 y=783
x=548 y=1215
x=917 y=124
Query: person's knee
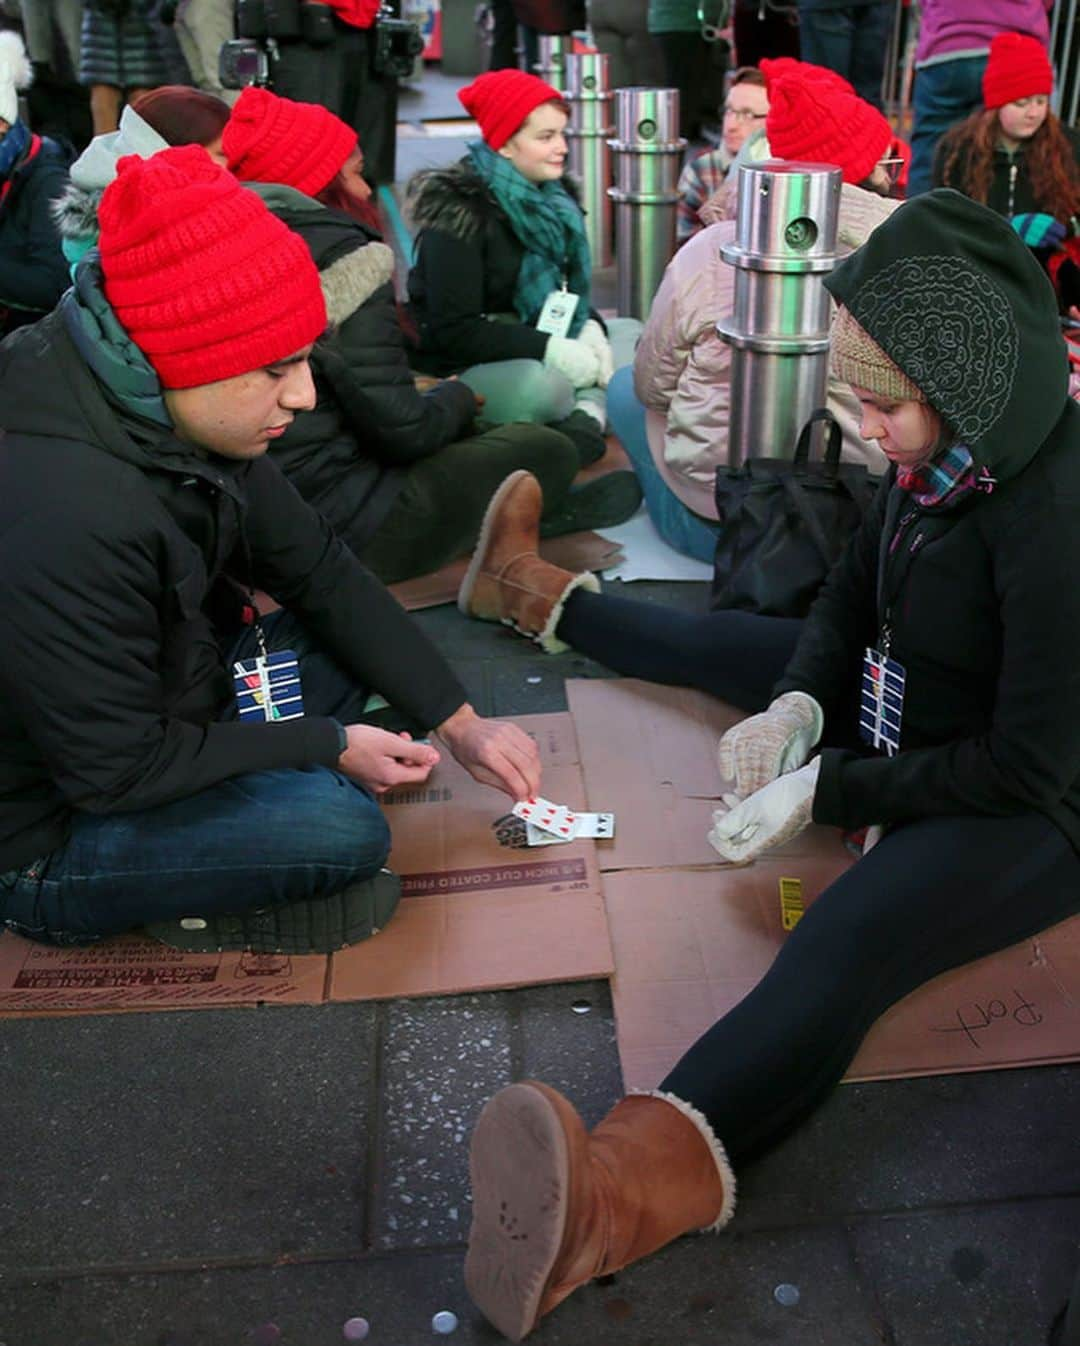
x=345 y=827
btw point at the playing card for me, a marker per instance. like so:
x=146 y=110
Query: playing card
x=535 y=837
x=542 y=813
x=598 y=825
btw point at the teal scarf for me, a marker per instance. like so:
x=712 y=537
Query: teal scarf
x=549 y=225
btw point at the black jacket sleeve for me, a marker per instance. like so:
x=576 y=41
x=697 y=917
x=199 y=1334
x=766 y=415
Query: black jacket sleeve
x=366 y=366
x=300 y=561
x=454 y=318
x=82 y=630
x=33 y=272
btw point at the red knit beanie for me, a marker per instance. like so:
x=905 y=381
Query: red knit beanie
x=812 y=121
x=500 y=100
x=206 y=282
x=272 y=139
x=776 y=68
x=1018 y=67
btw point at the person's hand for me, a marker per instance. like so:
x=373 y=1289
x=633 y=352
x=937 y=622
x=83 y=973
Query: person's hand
x=756 y=751
x=594 y=336
x=494 y=752
x=380 y=760
x=769 y=818
x=574 y=359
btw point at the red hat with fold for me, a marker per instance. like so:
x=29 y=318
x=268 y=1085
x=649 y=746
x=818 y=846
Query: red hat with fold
x=815 y=122
x=500 y=100
x=272 y=139
x=203 y=278
x=1017 y=67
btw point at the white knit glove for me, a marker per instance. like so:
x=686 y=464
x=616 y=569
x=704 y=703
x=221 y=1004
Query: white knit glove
x=574 y=359
x=779 y=739
x=769 y=818
x=593 y=336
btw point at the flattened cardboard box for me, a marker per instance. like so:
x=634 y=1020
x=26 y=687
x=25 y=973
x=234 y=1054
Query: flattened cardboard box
x=479 y=910
x=693 y=936
x=476 y=913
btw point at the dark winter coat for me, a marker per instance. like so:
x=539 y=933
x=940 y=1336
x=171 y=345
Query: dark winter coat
x=33 y=273
x=981 y=601
x=461 y=289
x=1010 y=192
x=112 y=534
x=122 y=45
x=350 y=456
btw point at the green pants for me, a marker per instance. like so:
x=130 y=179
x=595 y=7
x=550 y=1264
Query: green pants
x=438 y=513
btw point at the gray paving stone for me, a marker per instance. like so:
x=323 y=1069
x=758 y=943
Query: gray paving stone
x=982 y=1276
x=442 y=1059
x=568 y=1041
x=905 y=1144
x=221 y=1133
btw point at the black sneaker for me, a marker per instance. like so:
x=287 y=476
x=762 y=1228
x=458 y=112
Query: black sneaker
x=321 y=925
x=600 y=503
x=585 y=433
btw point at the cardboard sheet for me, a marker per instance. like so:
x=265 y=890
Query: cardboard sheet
x=574 y=551
x=692 y=936
x=480 y=910
x=647 y=556
x=477 y=912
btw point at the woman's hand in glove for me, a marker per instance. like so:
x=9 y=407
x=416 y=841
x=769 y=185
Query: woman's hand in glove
x=594 y=336
x=769 y=818
x=574 y=359
x=759 y=749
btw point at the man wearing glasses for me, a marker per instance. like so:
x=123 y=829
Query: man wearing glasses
x=745 y=109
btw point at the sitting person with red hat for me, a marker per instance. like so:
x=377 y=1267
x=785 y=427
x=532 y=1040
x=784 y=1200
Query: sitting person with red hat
x=169 y=760
x=500 y=291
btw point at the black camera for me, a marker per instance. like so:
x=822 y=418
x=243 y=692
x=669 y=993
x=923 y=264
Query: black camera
x=243 y=61
x=397 y=45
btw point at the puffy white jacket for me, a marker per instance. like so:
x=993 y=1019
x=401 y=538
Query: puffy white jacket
x=682 y=368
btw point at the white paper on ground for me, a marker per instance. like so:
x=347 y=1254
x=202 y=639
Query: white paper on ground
x=646 y=556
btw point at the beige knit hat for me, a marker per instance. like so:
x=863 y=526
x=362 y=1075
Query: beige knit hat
x=856 y=358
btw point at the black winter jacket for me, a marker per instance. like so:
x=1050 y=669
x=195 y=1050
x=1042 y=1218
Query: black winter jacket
x=33 y=272
x=350 y=456
x=467 y=262
x=1011 y=192
x=981 y=602
x=112 y=534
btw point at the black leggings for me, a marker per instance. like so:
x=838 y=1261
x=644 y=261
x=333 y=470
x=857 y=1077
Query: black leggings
x=932 y=895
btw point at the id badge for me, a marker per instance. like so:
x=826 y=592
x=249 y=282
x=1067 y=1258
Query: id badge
x=268 y=687
x=881 y=707
x=558 y=313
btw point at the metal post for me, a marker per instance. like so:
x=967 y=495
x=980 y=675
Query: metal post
x=590 y=154
x=648 y=155
x=785 y=240
x=552 y=51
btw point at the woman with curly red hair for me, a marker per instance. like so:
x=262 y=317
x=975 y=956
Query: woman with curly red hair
x=1015 y=156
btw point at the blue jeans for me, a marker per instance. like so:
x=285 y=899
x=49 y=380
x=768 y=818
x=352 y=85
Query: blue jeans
x=944 y=94
x=852 y=41
x=679 y=526
x=254 y=840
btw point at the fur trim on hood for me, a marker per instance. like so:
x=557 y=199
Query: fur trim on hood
x=76 y=212
x=354 y=278
x=457 y=200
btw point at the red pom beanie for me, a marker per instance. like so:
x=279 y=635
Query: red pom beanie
x=500 y=100
x=776 y=68
x=206 y=282
x=272 y=139
x=813 y=121
x=1018 y=67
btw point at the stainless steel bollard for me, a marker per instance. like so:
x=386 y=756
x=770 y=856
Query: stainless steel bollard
x=785 y=240
x=552 y=50
x=590 y=153
x=648 y=155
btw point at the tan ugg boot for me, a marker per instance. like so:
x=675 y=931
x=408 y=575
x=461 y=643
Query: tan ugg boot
x=554 y=1207
x=506 y=580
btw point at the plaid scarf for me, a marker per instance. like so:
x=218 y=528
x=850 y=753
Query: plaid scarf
x=945 y=480
x=549 y=225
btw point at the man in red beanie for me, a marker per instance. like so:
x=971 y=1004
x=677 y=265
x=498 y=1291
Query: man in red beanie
x=162 y=763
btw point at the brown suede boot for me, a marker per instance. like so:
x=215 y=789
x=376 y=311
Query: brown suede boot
x=554 y=1207
x=506 y=580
